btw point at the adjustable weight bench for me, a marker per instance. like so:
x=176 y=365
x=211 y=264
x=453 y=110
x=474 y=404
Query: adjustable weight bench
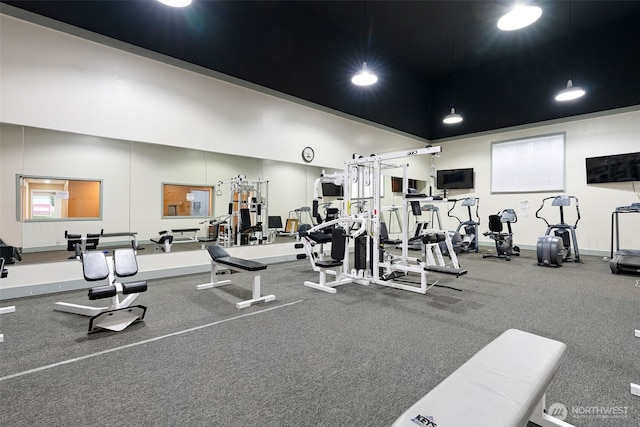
x=163 y=242
x=119 y=314
x=221 y=257
x=503 y=385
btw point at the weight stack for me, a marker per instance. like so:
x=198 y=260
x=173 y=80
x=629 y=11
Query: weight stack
x=360 y=252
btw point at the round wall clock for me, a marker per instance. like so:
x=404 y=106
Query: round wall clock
x=308 y=154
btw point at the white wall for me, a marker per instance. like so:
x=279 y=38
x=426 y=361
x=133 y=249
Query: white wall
x=53 y=80
x=587 y=137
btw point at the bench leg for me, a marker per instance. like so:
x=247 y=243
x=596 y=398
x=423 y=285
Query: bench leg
x=214 y=279
x=6 y=310
x=256 y=295
x=325 y=286
x=541 y=418
x=635 y=388
x=126 y=302
x=117 y=320
x=83 y=310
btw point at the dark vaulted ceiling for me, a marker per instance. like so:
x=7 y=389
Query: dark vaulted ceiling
x=429 y=55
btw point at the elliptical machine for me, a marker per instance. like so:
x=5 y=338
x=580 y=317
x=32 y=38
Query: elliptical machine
x=468 y=240
x=553 y=250
x=504 y=241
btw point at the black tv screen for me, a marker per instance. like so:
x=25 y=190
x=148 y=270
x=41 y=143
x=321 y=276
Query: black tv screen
x=453 y=179
x=329 y=189
x=616 y=168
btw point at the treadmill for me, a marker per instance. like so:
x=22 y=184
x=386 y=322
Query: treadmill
x=624 y=260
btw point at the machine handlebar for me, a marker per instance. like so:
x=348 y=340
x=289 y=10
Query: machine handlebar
x=561 y=210
x=476 y=203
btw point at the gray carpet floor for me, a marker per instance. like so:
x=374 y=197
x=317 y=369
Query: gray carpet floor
x=358 y=357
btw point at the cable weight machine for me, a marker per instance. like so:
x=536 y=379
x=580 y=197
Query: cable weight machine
x=248 y=206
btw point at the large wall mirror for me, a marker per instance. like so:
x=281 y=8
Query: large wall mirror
x=42 y=198
x=137 y=187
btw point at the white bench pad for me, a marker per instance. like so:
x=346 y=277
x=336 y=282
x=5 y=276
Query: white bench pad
x=499 y=386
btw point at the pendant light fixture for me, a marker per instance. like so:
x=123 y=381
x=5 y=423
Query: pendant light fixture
x=176 y=3
x=519 y=16
x=570 y=92
x=364 y=77
x=452 y=118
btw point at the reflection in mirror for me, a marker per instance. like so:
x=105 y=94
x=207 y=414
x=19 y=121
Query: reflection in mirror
x=49 y=198
x=418 y=185
x=186 y=200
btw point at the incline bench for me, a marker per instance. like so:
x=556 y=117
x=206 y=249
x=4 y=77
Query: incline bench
x=222 y=257
x=503 y=385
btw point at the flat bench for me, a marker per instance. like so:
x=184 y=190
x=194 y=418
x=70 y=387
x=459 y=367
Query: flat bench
x=503 y=385
x=221 y=257
x=186 y=232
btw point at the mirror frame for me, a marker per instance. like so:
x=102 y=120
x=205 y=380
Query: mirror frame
x=21 y=215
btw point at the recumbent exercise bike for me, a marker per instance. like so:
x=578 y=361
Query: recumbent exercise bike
x=504 y=241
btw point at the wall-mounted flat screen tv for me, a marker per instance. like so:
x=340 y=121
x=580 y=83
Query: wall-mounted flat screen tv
x=453 y=179
x=329 y=189
x=615 y=168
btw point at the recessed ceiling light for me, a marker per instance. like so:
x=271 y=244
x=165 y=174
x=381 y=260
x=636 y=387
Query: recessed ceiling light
x=519 y=17
x=176 y=3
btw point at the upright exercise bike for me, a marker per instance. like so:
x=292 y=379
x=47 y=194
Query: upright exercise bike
x=553 y=250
